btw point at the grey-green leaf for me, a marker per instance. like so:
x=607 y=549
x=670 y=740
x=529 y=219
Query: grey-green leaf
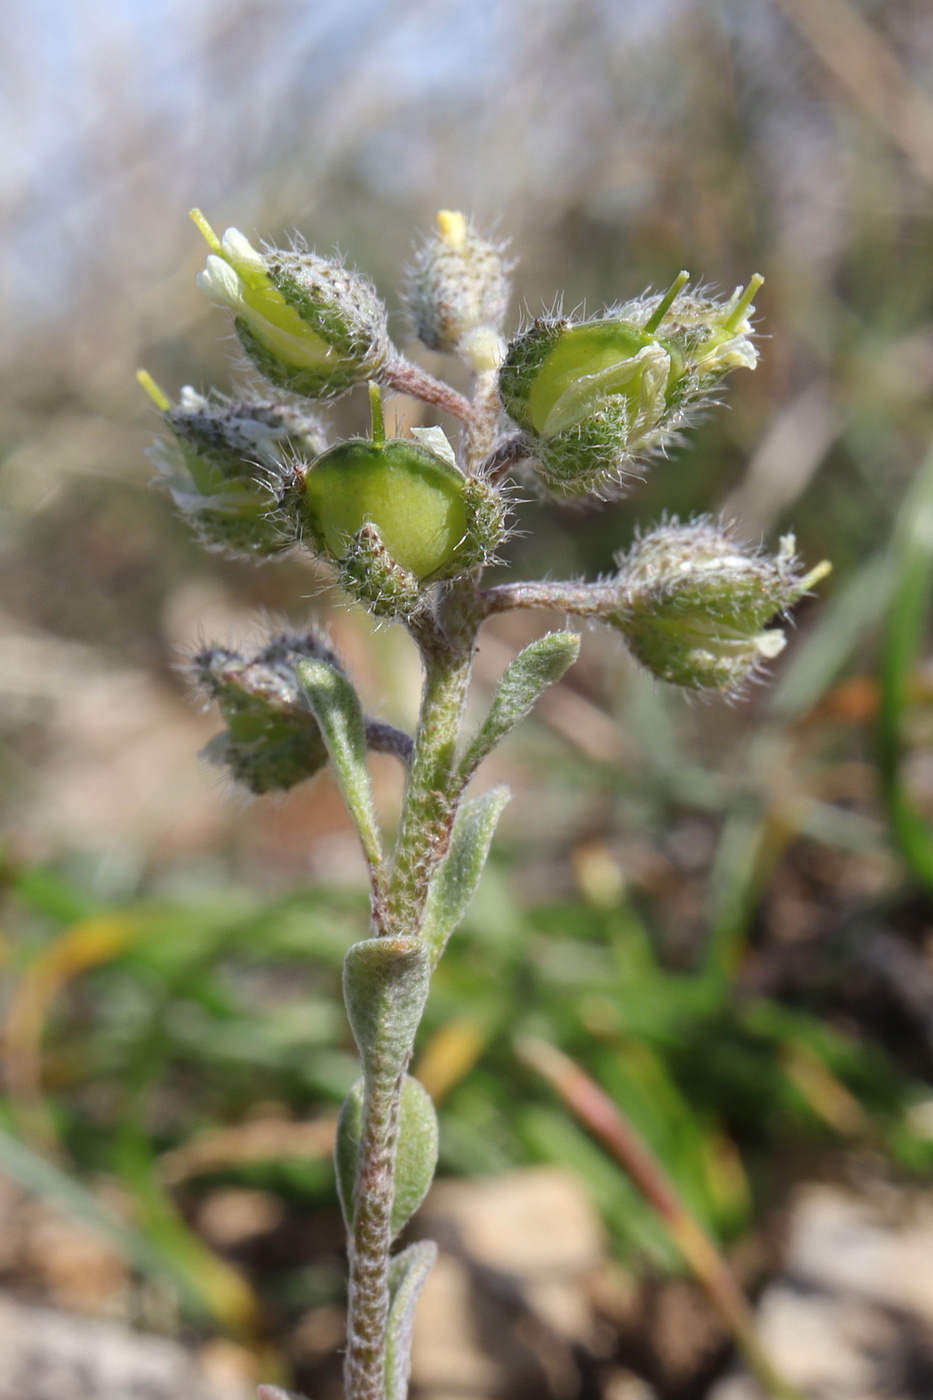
x=454 y=884
x=337 y=709
x=408 y=1273
x=385 y=987
x=416 y=1156
x=526 y=678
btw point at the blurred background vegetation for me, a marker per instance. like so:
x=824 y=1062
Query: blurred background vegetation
x=720 y=911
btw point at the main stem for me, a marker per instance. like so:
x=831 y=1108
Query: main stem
x=446 y=641
x=371 y=1240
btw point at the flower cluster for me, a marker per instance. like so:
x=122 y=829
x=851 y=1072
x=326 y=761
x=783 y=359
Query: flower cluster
x=581 y=406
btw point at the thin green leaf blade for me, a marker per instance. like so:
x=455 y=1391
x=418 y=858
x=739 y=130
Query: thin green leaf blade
x=454 y=884
x=536 y=668
x=408 y=1273
x=904 y=636
x=339 y=714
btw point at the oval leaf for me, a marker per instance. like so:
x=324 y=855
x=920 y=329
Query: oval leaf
x=454 y=884
x=408 y=1273
x=416 y=1154
x=385 y=987
x=526 y=678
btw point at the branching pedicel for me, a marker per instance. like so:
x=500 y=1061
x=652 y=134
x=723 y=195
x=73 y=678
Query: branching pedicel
x=408 y=525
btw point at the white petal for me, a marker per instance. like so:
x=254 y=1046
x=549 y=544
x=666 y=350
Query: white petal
x=190 y=400
x=771 y=643
x=239 y=249
x=436 y=441
x=221 y=283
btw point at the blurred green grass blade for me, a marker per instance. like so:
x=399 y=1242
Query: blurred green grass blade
x=904 y=635
x=216 y=1289
x=818 y=659
x=47 y=892
x=36 y=1174
x=751 y=840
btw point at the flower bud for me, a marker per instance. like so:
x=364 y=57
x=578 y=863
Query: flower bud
x=230 y=468
x=457 y=293
x=595 y=399
x=308 y=323
x=272 y=740
x=695 y=607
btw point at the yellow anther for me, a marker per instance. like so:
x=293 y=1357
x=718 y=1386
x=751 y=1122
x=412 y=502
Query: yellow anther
x=210 y=236
x=452 y=228
x=815 y=576
x=161 y=400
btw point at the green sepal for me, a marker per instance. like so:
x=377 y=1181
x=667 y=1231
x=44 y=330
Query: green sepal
x=336 y=707
x=414 y=497
x=526 y=678
x=454 y=884
x=408 y=1274
x=416 y=1155
x=369 y=573
x=385 y=987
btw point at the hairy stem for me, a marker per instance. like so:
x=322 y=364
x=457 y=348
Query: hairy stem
x=481 y=432
x=406 y=378
x=581 y=599
x=428 y=810
x=430 y=802
x=371 y=1240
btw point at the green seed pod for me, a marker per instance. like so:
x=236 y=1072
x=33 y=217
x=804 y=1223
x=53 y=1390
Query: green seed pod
x=308 y=323
x=694 y=606
x=272 y=740
x=591 y=398
x=596 y=399
x=231 y=468
x=457 y=292
x=417 y=501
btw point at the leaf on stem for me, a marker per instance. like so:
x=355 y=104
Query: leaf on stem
x=416 y=1156
x=408 y=1273
x=385 y=987
x=454 y=883
x=337 y=710
x=527 y=677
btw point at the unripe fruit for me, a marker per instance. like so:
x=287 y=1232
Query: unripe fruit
x=597 y=398
x=591 y=397
x=588 y=364
x=415 y=499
